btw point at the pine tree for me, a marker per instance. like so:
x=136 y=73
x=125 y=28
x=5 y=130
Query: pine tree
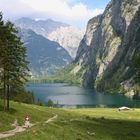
x=2 y=44
x=13 y=62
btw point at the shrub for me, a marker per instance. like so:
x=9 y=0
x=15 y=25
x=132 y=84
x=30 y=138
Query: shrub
x=50 y=103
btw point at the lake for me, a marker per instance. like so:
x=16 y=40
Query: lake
x=73 y=96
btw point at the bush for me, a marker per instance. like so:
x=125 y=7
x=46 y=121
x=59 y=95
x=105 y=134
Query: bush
x=50 y=103
x=39 y=103
x=24 y=96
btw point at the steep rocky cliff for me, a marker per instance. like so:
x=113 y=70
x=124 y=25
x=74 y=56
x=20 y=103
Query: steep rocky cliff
x=111 y=41
x=68 y=37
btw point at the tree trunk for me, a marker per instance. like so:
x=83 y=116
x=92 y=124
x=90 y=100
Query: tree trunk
x=4 y=93
x=8 y=96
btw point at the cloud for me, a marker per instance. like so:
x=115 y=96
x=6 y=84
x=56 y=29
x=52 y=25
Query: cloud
x=14 y=8
x=62 y=8
x=55 y=9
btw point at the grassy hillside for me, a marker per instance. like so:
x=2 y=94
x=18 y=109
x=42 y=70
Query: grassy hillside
x=73 y=124
x=64 y=75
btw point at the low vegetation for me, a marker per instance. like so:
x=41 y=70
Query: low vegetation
x=72 y=124
x=62 y=76
x=112 y=84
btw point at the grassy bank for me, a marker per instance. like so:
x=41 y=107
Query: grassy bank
x=64 y=75
x=73 y=124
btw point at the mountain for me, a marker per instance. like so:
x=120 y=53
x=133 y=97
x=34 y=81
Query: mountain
x=66 y=35
x=45 y=56
x=42 y=27
x=109 y=45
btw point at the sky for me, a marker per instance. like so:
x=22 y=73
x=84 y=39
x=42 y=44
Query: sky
x=73 y=12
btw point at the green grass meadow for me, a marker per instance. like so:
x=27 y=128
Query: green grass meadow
x=72 y=124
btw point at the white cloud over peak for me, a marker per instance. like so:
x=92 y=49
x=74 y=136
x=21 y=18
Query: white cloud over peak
x=63 y=9
x=78 y=13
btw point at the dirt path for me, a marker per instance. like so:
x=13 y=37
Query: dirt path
x=51 y=119
x=20 y=129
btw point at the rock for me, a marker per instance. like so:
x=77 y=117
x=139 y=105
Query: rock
x=109 y=45
x=91 y=133
x=130 y=93
x=123 y=108
x=68 y=37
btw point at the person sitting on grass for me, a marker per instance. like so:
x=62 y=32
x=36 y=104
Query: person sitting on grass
x=27 y=122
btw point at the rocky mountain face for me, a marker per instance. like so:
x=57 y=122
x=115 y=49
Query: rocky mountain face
x=111 y=41
x=45 y=56
x=67 y=36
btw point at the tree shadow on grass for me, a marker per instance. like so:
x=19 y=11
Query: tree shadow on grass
x=109 y=128
x=10 y=111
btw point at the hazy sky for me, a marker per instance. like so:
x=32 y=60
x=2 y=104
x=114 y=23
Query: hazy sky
x=74 y=12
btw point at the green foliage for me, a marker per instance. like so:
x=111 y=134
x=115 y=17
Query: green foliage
x=136 y=64
x=23 y=96
x=110 y=86
x=50 y=103
x=65 y=76
x=72 y=124
x=39 y=103
x=111 y=81
x=13 y=64
x=62 y=76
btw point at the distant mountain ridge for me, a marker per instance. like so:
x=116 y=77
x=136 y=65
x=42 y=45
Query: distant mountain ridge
x=67 y=36
x=43 y=27
x=45 y=56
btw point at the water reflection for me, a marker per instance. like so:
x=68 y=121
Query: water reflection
x=74 y=96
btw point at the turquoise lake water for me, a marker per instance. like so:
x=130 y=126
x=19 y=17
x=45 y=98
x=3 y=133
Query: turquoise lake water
x=73 y=96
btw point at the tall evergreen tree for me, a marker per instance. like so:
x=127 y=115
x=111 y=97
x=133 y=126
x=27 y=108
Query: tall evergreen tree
x=13 y=61
x=2 y=44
